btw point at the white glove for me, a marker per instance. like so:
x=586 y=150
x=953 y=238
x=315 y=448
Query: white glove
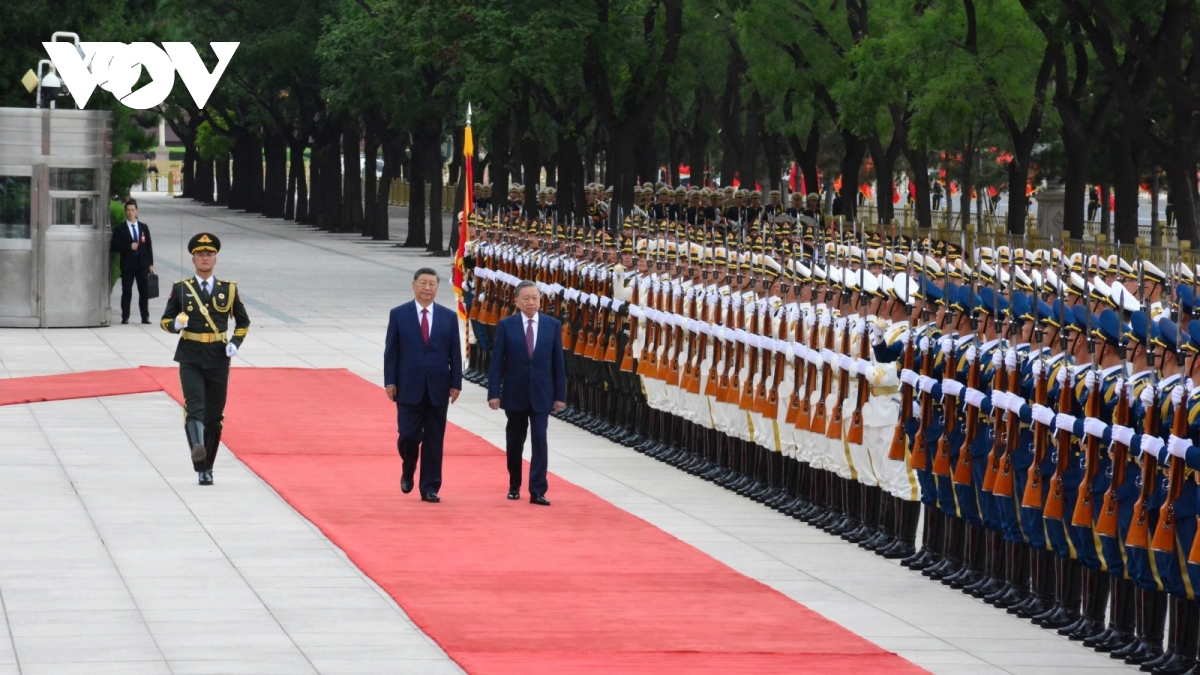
x=876 y=334
x=909 y=377
x=1036 y=368
x=923 y=345
x=973 y=397
x=997 y=359
x=1000 y=400
x=1147 y=397
x=230 y=350
x=813 y=356
x=846 y=363
x=1010 y=359
x=1062 y=376
x=826 y=320
x=1152 y=444
x=1094 y=427
x=860 y=328
x=1089 y=380
x=1122 y=434
x=972 y=352
x=926 y=383
x=1178 y=447
x=1064 y=422
x=180 y=325
x=946 y=343
x=951 y=387
x=1011 y=402
x=1041 y=414
x=916 y=411
x=1129 y=393
x=828 y=356
x=1177 y=394
x=810 y=319
x=862 y=366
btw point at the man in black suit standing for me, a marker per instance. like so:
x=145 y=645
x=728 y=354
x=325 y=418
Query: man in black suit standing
x=528 y=379
x=131 y=239
x=422 y=373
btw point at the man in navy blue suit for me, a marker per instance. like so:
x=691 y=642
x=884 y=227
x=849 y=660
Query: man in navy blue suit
x=422 y=371
x=527 y=378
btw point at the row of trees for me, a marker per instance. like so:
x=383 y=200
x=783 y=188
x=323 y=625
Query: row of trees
x=999 y=93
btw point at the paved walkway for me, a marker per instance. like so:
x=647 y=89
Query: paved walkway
x=112 y=560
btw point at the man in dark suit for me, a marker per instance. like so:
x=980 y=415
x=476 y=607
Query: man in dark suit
x=131 y=239
x=528 y=380
x=422 y=371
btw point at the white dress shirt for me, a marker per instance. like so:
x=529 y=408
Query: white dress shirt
x=135 y=231
x=206 y=286
x=430 y=315
x=525 y=323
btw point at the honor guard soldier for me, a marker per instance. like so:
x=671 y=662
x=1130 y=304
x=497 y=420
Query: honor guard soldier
x=199 y=309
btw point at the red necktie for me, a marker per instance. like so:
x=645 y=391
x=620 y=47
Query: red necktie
x=529 y=338
x=425 y=326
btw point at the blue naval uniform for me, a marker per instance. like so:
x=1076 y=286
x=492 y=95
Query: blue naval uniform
x=1143 y=567
x=1086 y=541
x=1172 y=566
x=1057 y=531
x=1112 y=549
x=948 y=494
x=1032 y=525
x=1186 y=533
x=1008 y=508
x=981 y=445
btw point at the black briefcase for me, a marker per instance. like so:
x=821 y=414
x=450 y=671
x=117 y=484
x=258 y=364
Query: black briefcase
x=151 y=285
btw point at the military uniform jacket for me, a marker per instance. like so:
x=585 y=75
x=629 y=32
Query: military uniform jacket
x=204 y=337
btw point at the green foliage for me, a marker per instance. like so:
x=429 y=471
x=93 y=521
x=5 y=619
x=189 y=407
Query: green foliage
x=116 y=217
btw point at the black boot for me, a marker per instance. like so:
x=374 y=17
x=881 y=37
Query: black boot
x=906 y=535
x=931 y=537
x=1121 y=621
x=1183 y=645
x=1173 y=636
x=952 y=546
x=1155 y=620
x=1141 y=598
x=195 y=439
x=1059 y=614
x=1041 y=579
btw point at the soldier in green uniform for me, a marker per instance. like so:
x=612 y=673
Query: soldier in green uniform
x=199 y=309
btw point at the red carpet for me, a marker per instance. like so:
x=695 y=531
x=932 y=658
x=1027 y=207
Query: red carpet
x=506 y=587
x=77 y=385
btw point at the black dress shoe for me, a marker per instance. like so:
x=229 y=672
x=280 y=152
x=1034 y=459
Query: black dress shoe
x=431 y=497
x=124 y=321
x=146 y=321
x=406 y=485
x=514 y=494
x=206 y=478
x=540 y=500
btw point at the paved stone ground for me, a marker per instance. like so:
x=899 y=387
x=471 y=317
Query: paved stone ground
x=112 y=560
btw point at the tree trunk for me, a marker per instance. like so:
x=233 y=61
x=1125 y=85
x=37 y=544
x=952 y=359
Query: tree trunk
x=289 y=200
x=301 y=182
x=275 y=190
x=751 y=140
x=188 y=170
x=918 y=159
x=436 y=183
x=370 y=186
x=1126 y=165
x=352 y=189
x=499 y=156
x=202 y=187
x=221 y=164
x=1074 y=185
x=570 y=177
x=416 y=194
x=254 y=174
x=772 y=152
x=1181 y=180
x=851 y=165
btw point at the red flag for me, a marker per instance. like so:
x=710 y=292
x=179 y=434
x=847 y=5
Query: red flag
x=895 y=194
x=468 y=202
x=792 y=178
x=865 y=189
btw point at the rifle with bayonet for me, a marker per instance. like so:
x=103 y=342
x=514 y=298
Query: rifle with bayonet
x=1139 y=526
x=1055 y=501
x=966 y=461
x=1082 y=516
x=1164 y=533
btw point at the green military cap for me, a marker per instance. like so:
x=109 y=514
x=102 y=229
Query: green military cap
x=204 y=242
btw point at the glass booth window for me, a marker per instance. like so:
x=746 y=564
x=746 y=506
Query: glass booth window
x=63 y=210
x=15 y=206
x=78 y=180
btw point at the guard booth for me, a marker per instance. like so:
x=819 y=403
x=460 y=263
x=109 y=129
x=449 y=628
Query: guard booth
x=54 y=229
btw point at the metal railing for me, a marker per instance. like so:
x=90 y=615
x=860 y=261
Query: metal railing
x=399 y=195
